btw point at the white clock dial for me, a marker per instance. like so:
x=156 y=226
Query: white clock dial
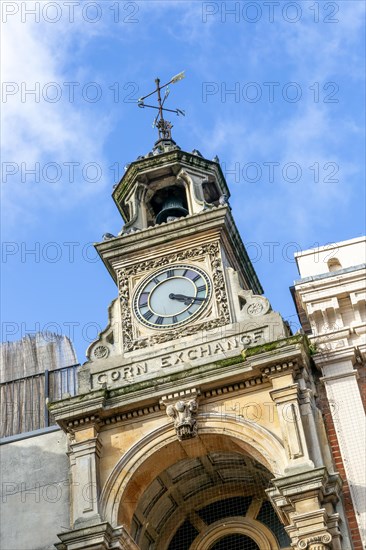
x=172 y=296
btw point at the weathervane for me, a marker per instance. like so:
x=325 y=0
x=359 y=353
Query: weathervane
x=164 y=126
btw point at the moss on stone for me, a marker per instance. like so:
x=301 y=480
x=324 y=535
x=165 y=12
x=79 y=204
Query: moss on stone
x=313 y=349
x=187 y=372
x=78 y=398
x=229 y=361
x=277 y=344
x=174 y=377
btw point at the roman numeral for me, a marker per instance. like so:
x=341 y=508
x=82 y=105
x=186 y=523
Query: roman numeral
x=159 y=321
x=170 y=273
x=200 y=288
x=175 y=319
x=196 y=278
x=144 y=296
x=148 y=315
x=156 y=280
x=185 y=272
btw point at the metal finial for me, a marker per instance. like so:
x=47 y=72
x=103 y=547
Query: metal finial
x=164 y=126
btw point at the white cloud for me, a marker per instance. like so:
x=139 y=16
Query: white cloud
x=39 y=131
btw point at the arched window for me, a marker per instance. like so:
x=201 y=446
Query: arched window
x=236 y=541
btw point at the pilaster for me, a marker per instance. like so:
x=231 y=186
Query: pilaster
x=288 y=408
x=311 y=418
x=340 y=381
x=84 y=454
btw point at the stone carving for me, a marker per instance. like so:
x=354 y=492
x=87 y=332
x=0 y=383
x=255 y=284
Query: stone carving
x=247 y=304
x=164 y=127
x=184 y=414
x=108 y=341
x=255 y=309
x=136 y=222
x=101 y=352
x=317 y=542
x=213 y=252
x=254 y=306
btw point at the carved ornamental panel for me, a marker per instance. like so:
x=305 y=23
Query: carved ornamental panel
x=134 y=336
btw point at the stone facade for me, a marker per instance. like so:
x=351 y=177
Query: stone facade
x=164 y=415
x=195 y=431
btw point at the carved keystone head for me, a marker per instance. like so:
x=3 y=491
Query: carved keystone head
x=183 y=412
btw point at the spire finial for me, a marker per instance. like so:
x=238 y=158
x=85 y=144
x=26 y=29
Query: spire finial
x=164 y=126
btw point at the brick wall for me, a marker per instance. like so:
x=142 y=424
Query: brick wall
x=339 y=467
x=362 y=383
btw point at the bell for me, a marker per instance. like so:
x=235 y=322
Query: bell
x=171 y=208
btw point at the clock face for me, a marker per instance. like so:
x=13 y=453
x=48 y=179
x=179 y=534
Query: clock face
x=172 y=296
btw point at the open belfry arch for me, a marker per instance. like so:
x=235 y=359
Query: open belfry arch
x=195 y=426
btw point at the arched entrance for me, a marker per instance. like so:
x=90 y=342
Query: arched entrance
x=200 y=493
x=160 y=449
x=215 y=501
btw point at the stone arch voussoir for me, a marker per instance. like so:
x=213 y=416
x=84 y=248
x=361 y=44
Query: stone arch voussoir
x=253 y=439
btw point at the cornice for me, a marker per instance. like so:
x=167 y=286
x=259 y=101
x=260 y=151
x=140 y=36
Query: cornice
x=293 y=486
x=152 y=237
x=185 y=231
x=248 y=385
x=340 y=273
x=214 y=380
x=330 y=282
x=290 y=354
x=85 y=407
x=334 y=356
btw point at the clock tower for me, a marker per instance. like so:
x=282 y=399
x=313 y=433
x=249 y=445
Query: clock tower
x=169 y=259
x=196 y=424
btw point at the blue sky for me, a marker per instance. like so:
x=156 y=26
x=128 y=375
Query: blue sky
x=275 y=89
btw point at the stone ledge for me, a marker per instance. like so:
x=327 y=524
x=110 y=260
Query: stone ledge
x=100 y=535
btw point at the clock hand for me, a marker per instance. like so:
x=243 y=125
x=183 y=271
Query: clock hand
x=178 y=297
x=192 y=300
x=187 y=300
